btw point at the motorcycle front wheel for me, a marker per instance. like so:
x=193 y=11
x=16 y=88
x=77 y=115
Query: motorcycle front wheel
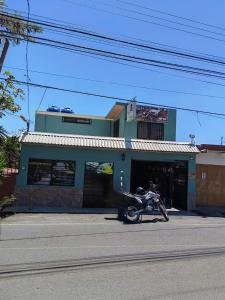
x=163 y=211
x=132 y=214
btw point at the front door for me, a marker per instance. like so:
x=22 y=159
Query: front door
x=98 y=184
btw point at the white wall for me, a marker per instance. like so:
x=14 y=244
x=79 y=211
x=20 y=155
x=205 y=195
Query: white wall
x=211 y=158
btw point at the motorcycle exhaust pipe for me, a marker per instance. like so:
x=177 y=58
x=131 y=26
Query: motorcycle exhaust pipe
x=138 y=211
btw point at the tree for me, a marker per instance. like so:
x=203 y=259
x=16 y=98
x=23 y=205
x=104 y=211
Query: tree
x=9 y=92
x=3 y=134
x=13 y=30
x=2 y=164
x=11 y=148
x=17 y=27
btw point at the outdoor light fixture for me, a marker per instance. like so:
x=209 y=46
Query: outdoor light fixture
x=123 y=156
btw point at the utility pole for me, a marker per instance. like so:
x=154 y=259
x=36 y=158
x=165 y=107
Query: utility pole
x=4 y=51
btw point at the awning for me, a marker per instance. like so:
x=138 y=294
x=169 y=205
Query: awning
x=110 y=143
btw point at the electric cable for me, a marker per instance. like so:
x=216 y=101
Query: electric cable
x=116 y=98
x=131 y=58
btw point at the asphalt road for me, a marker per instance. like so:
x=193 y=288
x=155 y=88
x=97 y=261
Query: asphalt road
x=97 y=257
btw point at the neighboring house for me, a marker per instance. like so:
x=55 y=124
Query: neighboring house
x=210 y=177
x=80 y=161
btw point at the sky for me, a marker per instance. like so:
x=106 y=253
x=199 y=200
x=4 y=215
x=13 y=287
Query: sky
x=112 y=17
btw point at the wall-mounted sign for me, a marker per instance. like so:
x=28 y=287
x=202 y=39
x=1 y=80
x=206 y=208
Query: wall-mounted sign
x=151 y=114
x=131 y=111
x=146 y=113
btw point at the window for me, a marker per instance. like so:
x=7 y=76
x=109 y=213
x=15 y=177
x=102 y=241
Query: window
x=116 y=128
x=76 y=120
x=150 y=131
x=51 y=172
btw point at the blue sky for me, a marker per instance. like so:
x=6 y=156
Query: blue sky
x=206 y=129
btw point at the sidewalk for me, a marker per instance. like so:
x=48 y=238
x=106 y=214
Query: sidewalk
x=48 y=210
x=199 y=211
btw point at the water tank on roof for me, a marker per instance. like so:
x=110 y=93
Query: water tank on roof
x=53 y=108
x=67 y=110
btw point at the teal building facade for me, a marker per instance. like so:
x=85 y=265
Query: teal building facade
x=74 y=161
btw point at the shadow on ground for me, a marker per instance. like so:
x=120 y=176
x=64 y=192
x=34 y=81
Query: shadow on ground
x=124 y=221
x=4 y=214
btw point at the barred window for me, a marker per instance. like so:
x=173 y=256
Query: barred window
x=51 y=172
x=150 y=131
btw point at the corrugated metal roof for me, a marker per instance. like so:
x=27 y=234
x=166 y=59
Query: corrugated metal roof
x=68 y=140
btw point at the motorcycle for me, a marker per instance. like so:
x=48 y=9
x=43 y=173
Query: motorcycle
x=143 y=201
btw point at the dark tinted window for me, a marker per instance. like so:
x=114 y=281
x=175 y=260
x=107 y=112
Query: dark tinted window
x=116 y=128
x=76 y=120
x=150 y=131
x=51 y=172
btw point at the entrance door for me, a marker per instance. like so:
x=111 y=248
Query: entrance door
x=170 y=176
x=98 y=184
x=180 y=185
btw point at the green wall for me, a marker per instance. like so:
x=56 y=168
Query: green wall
x=54 y=124
x=129 y=129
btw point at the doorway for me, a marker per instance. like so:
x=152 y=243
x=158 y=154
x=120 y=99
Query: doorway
x=171 y=177
x=98 y=184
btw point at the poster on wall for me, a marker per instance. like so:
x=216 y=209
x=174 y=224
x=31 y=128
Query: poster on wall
x=151 y=114
x=101 y=168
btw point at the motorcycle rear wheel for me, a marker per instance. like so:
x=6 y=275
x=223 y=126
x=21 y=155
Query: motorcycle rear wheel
x=131 y=214
x=163 y=211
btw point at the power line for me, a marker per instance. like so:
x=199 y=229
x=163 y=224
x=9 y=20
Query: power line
x=172 y=15
x=130 y=58
x=127 y=36
x=117 y=83
x=125 y=42
x=137 y=67
x=145 y=21
x=42 y=98
x=159 y=18
x=115 y=98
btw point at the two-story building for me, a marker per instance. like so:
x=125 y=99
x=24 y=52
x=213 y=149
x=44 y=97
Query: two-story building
x=75 y=161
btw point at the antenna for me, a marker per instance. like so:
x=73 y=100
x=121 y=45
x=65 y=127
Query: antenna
x=192 y=137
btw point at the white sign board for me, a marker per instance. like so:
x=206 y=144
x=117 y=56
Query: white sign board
x=131 y=111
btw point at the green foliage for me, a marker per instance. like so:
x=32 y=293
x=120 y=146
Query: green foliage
x=8 y=94
x=2 y=162
x=6 y=201
x=11 y=149
x=3 y=134
x=17 y=27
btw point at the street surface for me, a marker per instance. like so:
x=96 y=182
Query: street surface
x=69 y=256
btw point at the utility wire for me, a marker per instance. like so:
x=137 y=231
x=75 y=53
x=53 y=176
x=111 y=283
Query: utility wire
x=116 y=98
x=120 y=56
x=142 y=68
x=125 y=42
x=171 y=15
x=127 y=36
x=42 y=98
x=117 y=83
x=136 y=67
x=163 y=19
x=145 y=21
